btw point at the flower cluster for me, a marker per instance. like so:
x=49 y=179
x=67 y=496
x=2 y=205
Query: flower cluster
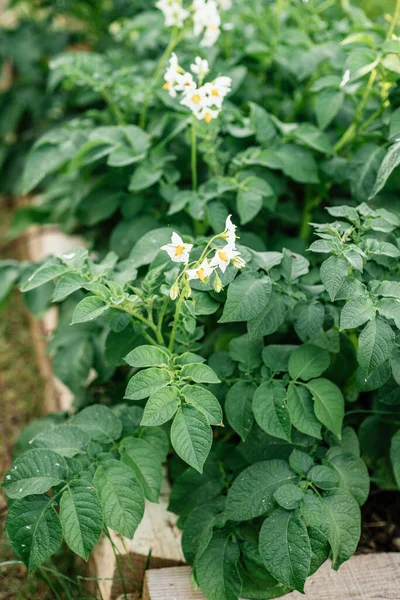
x=205 y=14
x=204 y=100
x=202 y=269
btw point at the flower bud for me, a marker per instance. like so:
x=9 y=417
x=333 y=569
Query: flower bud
x=218 y=283
x=174 y=291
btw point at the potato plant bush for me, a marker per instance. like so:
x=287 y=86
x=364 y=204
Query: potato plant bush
x=235 y=310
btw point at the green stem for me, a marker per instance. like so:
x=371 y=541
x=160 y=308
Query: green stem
x=161 y=319
x=394 y=21
x=160 y=66
x=310 y=203
x=176 y=321
x=194 y=154
x=145 y=322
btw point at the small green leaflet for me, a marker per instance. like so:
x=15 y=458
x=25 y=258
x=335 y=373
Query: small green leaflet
x=270 y=410
x=289 y=496
x=217 y=568
x=375 y=346
x=81 y=516
x=333 y=273
x=161 y=406
x=146 y=382
x=197 y=531
x=99 y=422
x=356 y=312
x=251 y=494
x=328 y=404
x=121 y=496
x=248 y=296
x=309 y=321
x=301 y=411
x=68 y=284
x=145 y=461
x=89 y=309
x=147 y=356
x=34 y=529
x=276 y=357
x=389 y=163
x=323 y=477
x=327 y=106
x=199 y=373
x=44 y=274
x=238 y=408
x=307 y=362
x=34 y=472
x=205 y=402
x=191 y=436
x=66 y=440
x=285 y=548
x=352 y=473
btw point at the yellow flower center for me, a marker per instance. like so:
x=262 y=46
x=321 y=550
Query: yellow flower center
x=201 y=274
x=223 y=256
x=196 y=98
x=208 y=117
x=166 y=85
x=179 y=250
x=213 y=27
x=214 y=92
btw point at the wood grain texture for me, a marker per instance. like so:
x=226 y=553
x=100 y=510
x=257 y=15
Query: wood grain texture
x=364 y=577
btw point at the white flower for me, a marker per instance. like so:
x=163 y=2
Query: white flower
x=201 y=272
x=346 y=78
x=172 y=75
x=185 y=82
x=206 y=19
x=177 y=249
x=174 y=13
x=195 y=98
x=217 y=90
x=224 y=256
x=207 y=114
x=200 y=67
x=225 y=4
x=230 y=232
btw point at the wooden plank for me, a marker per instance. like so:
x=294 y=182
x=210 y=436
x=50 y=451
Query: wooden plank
x=156 y=545
x=363 y=577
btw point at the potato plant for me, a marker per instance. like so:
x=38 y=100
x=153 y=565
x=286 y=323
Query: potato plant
x=235 y=309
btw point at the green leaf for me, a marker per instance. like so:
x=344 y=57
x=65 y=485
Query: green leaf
x=285 y=548
x=145 y=176
x=289 y=496
x=121 y=496
x=34 y=529
x=356 y=312
x=333 y=272
x=191 y=436
x=197 y=531
x=328 y=404
x=66 y=440
x=301 y=411
x=276 y=357
x=270 y=410
x=238 y=408
x=298 y=163
x=199 y=373
x=309 y=321
x=395 y=456
x=248 y=296
x=43 y=275
x=148 y=246
x=250 y=198
x=365 y=165
x=246 y=351
x=192 y=489
x=89 y=309
x=270 y=319
x=34 y=472
x=352 y=473
x=300 y=462
x=147 y=382
x=314 y=138
x=319 y=549
x=251 y=494
x=375 y=346
x=340 y=523
x=205 y=402
x=217 y=568
x=327 y=106
x=81 y=516
x=293 y=265
x=147 y=356
x=389 y=163
x=161 y=407
x=158 y=439
x=145 y=461
x=323 y=477
x=307 y=362
x=99 y=422
x=67 y=285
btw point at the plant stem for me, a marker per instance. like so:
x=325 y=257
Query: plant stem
x=176 y=321
x=161 y=63
x=194 y=154
x=161 y=319
x=394 y=21
x=113 y=106
x=311 y=202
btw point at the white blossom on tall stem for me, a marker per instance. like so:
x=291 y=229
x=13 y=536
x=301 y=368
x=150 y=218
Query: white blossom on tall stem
x=202 y=271
x=200 y=67
x=177 y=249
x=206 y=21
x=224 y=256
x=174 y=13
x=230 y=231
